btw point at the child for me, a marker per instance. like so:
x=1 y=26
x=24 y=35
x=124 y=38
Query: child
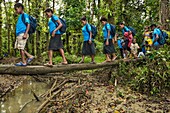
x=22 y=35
x=134 y=48
x=146 y=34
x=127 y=43
x=119 y=43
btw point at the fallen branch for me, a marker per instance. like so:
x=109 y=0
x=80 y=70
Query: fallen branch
x=47 y=101
x=58 y=87
x=39 y=70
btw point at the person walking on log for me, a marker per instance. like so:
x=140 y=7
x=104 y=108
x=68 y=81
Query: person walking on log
x=108 y=46
x=55 y=40
x=126 y=30
x=22 y=30
x=156 y=35
x=88 y=44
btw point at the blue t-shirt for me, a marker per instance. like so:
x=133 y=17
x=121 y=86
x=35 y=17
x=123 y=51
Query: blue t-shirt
x=20 y=26
x=52 y=25
x=105 y=31
x=119 y=43
x=85 y=33
x=125 y=29
x=156 y=32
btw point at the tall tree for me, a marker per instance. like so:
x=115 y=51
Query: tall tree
x=0 y=28
x=8 y=26
x=164 y=14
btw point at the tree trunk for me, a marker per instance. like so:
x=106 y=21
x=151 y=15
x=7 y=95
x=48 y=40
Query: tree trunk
x=111 y=15
x=8 y=28
x=67 y=42
x=53 y=5
x=0 y=29
x=38 y=70
x=38 y=48
x=164 y=13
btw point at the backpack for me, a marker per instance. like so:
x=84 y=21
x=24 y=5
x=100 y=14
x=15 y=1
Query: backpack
x=131 y=29
x=33 y=23
x=63 y=28
x=93 y=30
x=162 y=38
x=113 y=29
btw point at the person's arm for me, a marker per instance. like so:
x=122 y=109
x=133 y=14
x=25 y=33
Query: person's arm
x=156 y=38
x=108 y=33
x=59 y=25
x=115 y=38
x=108 y=36
x=128 y=30
x=90 y=35
x=90 y=31
x=27 y=26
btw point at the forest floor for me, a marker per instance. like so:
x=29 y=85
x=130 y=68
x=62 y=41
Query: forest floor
x=81 y=92
x=93 y=94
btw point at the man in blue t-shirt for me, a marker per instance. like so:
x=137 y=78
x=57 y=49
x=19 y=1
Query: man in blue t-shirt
x=55 y=40
x=22 y=34
x=155 y=36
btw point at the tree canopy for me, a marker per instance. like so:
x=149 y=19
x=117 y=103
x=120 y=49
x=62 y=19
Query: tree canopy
x=136 y=13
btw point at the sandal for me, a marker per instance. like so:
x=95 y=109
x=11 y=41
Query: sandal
x=30 y=60
x=20 y=64
x=64 y=63
x=106 y=61
x=48 y=65
x=93 y=62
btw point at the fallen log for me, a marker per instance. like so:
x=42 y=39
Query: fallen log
x=40 y=70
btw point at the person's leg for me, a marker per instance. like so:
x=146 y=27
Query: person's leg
x=50 y=55
x=82 y=60
x=126 y=54
x=141 y=54
x=28 y=55
x=63 y=56
x=22 y=53
x=135 y=55
x=121 y=52
x=108 y=58
x=92 y=58
x=114 y=56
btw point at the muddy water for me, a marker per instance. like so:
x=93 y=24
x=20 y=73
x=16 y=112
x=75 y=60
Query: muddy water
x=17 y=98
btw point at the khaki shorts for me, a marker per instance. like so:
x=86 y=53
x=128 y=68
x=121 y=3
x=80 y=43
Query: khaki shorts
x=20 y=42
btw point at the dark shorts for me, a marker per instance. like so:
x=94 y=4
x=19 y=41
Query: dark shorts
x=55 y=43
x=108 y=49
x=88 y=49
x=121 y=52
x=125 y=47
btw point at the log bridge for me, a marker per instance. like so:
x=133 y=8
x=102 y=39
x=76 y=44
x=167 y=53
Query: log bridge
x=41 y=70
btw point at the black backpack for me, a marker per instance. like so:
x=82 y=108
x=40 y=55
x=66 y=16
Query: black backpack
x=93 y=30
x=33 y=23
x=113 y=29
x=63 y=28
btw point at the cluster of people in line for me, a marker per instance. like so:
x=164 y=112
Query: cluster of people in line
x=127 y=44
